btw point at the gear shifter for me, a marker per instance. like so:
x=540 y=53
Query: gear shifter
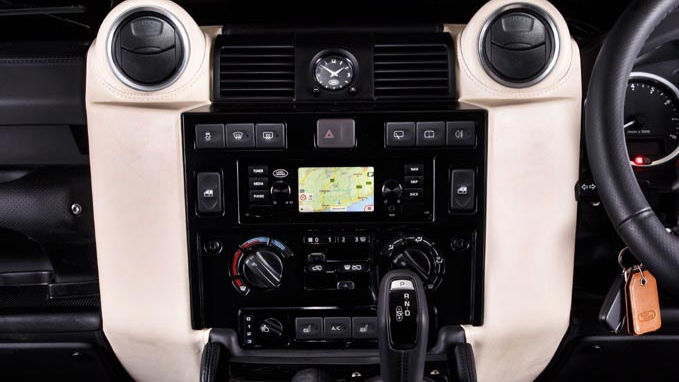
x=403 y=327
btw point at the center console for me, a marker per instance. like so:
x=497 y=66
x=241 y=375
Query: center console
x=295 y=216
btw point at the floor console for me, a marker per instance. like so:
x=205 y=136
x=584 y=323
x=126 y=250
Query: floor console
x=294 y=216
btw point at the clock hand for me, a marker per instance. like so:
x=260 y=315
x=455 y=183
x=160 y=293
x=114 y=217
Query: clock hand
x=337 y=72
x=630 y=123
x=329 y=71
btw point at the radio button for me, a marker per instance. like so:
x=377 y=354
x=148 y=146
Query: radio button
x=414 y=193
x=258 y=183
x=400 y=134
x=414 y=169
x=414 y=181
x=259 y=197
x=258 y=170
x=240 y=135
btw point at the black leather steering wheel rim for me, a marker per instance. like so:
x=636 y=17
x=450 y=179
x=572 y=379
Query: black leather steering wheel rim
x=627 y=208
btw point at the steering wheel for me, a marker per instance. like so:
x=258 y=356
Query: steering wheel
x=628 y=209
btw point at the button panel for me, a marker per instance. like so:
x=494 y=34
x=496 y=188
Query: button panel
x=241 y=136
x=453 y=134
x=265 y=328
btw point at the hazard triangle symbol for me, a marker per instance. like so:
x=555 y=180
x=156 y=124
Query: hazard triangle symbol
x=329 y=134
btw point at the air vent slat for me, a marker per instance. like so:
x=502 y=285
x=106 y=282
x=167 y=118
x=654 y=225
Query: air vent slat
x=412 y=70
x=252 y=71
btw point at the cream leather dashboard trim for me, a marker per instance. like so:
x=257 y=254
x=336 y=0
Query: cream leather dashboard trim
x=139 y=210
x=533 y=156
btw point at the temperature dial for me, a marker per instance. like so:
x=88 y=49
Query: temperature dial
x=259 y=263
x=419 y=255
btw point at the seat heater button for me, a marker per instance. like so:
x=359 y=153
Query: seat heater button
x=309 y=328
x=364 y=328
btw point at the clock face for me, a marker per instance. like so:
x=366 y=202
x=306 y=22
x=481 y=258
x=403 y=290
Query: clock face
x=334 y=72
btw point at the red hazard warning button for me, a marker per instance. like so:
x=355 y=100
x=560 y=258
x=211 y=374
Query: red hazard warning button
x=335 y=133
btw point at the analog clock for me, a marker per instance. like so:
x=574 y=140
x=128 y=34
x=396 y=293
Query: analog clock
x=334 y=72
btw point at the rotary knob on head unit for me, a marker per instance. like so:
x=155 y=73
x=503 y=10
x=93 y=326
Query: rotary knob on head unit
x=258 y=263
x=419 y=255
x=280 y=191
x=391 y=189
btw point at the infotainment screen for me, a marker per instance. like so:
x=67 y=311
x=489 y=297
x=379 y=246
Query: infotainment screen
x=336 y=189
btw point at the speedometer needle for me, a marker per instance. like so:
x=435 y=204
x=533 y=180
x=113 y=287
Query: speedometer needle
x=630 y=123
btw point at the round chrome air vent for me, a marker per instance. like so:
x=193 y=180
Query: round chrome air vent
x=519 y=45
x=148 y=49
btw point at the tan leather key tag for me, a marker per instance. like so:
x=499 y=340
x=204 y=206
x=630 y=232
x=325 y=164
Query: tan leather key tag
x=643 y=305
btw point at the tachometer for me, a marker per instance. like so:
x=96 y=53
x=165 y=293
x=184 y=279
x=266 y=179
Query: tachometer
x=651 y=120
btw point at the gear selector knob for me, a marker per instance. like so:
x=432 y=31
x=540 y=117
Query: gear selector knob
x=403 y=327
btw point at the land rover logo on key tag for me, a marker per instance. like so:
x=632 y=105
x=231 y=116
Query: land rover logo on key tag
x=280 y=173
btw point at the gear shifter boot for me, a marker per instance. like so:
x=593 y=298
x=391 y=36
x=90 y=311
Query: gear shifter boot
x=403 y=327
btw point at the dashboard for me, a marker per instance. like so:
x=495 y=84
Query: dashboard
x=246 y=179
x=253 y=182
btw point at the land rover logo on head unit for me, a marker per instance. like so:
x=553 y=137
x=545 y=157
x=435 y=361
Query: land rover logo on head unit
x=280 y=173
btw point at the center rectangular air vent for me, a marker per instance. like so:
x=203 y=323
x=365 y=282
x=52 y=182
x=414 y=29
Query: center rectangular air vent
x=254 y=71
x=411 y=70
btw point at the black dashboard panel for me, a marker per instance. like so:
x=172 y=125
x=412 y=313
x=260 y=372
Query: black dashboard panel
x=327 y=264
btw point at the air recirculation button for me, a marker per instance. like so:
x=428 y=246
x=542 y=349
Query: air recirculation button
x=148 y=50
x=519 y=47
